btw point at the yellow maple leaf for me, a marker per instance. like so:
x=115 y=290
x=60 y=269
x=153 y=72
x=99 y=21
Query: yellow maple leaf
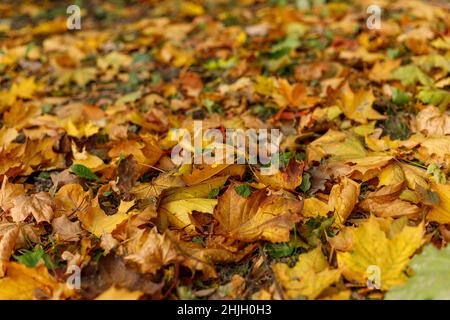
x=80 y=130
x=382 y=70
x=71 y=199
x=24 y=89
x=178 y=203
x=21 y=283
x=191 y=9
x=343 y=198
x=309 y=277
x=371 y=246
x=313 y=207
x=86 y=159
x=441 y=212
x=334 y=143
x=96 y=221
x=391 y=174
x=358 y=106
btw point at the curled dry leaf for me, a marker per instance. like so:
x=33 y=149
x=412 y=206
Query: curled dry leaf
x=385 y=202
x=197 y=257
x=343 y=198
x=156 y=251
x=260 y=216
x=155 y=188
x=128 y=174
x=435 y=150
x=200 y=175
x=7 y=244
x=8 y=193
x=432 y=122
x=113 y=271
x=361 y=168
x=288 y=178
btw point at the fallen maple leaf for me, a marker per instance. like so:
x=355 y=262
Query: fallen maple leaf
x=71 y=199
x=22 y=283
x=431 y=121
x=288 y=178
x=98 y=223
x=40 y=205
x=310 y=276
x=65 y=229
x=8 y=193
x=178 y=203
x=200 y=175
x=373 y=247
x=337 y=144
x=358 y=106
x=430 y=281
x=295 y=96
x=113 y=271
x=7 y=245
x=260 y=216
x=386 y=203
x=313 y=207
x=441 y=211
x=156 y=251
x=343 y=198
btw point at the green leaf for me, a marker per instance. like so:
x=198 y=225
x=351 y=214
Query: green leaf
x=213 y=193
x=431 y=61
x=431 y=279
x=306 y=182
x=399 y=97
x=279 y=250
x=83 y=172
x=131 y=97
x=410 y=75
x=286 y=156
x=243 y=190
x=436 y=97
x=31 y=258
x=393 y=53
x=46 y=108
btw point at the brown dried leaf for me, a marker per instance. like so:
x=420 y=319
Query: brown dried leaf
x=260 y=216
x=40 y=205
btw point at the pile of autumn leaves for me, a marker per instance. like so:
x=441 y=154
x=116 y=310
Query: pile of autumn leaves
x=405 y=198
